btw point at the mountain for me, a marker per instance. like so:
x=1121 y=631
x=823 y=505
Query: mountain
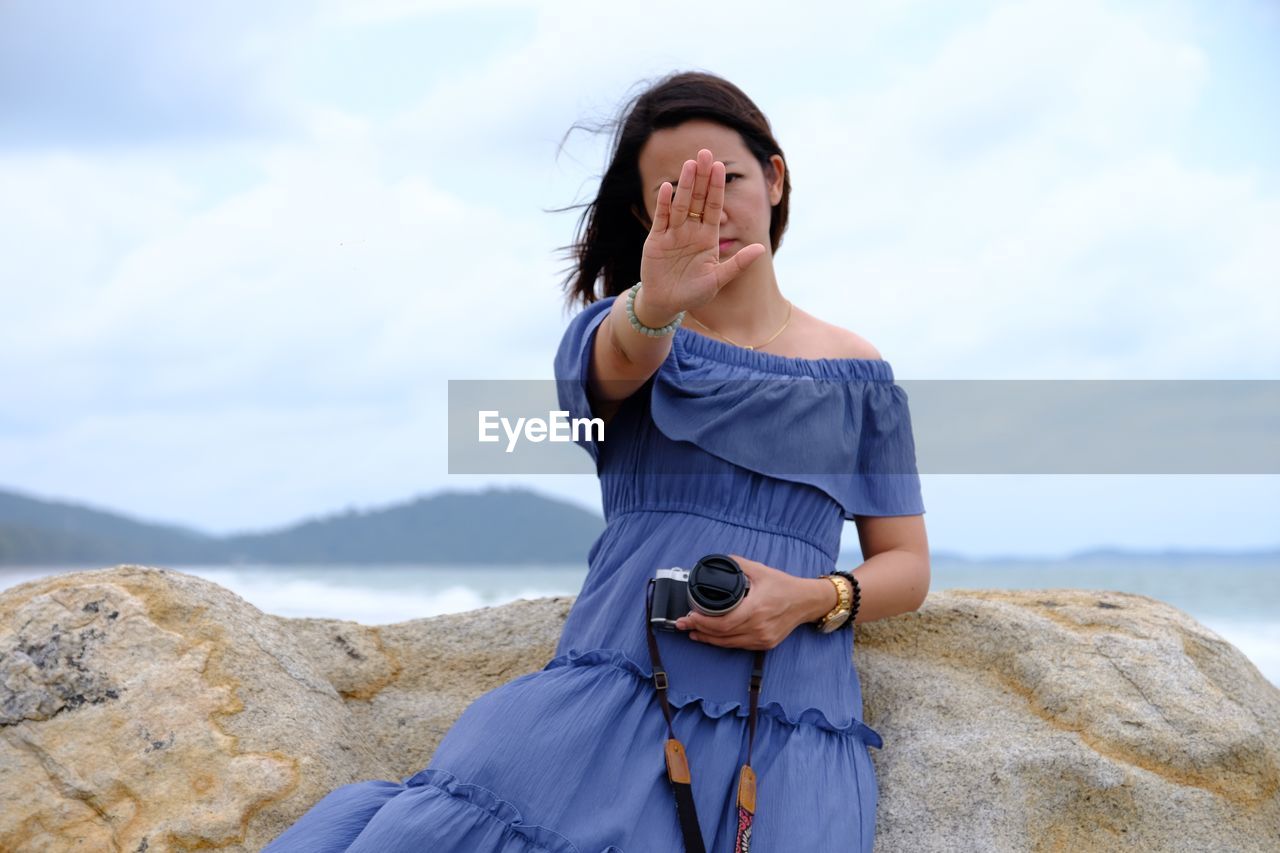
x=495 y=526
x=38 y=532
x=503 y=526
x=499 y=526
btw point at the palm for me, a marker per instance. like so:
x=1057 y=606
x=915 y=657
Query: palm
x=680 y=264
x=687 y=255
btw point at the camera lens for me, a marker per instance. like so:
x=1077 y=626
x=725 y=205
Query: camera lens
x=716 y=584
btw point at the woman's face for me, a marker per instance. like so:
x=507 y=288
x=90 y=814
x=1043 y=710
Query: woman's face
x=749 y=196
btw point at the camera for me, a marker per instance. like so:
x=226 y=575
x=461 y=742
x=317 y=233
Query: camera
x=715 y=585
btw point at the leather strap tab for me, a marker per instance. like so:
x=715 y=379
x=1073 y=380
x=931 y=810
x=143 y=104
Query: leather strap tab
x=677 y=762
x=747 y=789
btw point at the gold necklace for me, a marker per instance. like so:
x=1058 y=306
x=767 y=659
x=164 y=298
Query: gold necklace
x=746 y=346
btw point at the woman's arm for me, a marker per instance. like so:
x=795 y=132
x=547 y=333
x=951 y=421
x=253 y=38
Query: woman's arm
x=893 y=577
x=623 y=359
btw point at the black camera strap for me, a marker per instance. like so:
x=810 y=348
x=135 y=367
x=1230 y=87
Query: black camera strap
x=678 y=760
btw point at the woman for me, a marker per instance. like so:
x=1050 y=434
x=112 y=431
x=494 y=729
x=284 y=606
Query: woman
x=737 y=424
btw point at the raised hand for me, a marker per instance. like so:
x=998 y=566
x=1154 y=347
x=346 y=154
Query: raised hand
x=680 y=265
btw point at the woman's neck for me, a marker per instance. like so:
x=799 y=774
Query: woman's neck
x=746 y=310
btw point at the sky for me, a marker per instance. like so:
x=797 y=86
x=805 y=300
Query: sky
x=244 y=246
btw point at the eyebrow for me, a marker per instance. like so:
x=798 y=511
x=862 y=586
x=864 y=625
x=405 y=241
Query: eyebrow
x=727 y=164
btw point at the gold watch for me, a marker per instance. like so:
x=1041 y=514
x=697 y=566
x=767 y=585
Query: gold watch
x=840 y=613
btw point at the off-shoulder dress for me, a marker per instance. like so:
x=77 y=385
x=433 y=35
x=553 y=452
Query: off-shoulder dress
x=724 y=450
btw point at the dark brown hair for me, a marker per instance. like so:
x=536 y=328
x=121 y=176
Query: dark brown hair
x=611 y=232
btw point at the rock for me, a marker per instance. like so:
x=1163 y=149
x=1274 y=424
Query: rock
x=1067 y=719
x=149 y=710
x=145 y=709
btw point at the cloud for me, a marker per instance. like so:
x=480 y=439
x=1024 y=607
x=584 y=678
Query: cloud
x=1023 y=190
x=147 y=71
x=325 y=279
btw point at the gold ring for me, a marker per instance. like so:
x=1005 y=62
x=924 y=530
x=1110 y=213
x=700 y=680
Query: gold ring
x=697 y=216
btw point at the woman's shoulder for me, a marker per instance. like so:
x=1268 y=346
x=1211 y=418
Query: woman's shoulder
x=820 y=339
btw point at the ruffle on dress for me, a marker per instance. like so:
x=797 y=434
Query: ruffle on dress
x=841 y=425
x=431 y=810
x=810 y=716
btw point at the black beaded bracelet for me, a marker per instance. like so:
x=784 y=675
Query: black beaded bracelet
x=857 y=596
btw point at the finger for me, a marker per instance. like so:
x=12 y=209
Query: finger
x=741 y=259
x=709 y=639
x=701 y=180
x=684 y=191
x=715 y=196
x=733 y=641
x=717 y=626
x=662 y=213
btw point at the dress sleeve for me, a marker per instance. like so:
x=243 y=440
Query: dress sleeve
x=887 y=481
x=572 y=361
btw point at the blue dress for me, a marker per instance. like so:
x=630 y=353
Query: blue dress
x=724 y=450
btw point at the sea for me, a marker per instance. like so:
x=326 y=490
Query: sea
x=1236 y=596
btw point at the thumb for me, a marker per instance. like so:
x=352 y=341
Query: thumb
x=743 y=258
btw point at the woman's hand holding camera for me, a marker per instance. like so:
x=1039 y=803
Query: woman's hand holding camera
x=770 y=611
x=680 y=265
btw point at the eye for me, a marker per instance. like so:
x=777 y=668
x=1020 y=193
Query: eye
x=730 y=176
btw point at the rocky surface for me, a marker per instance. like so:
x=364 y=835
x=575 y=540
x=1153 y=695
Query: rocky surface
x=145 y=709
x=1066 y=719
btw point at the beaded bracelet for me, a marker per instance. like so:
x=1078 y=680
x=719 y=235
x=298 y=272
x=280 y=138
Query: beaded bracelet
x=641 y=327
